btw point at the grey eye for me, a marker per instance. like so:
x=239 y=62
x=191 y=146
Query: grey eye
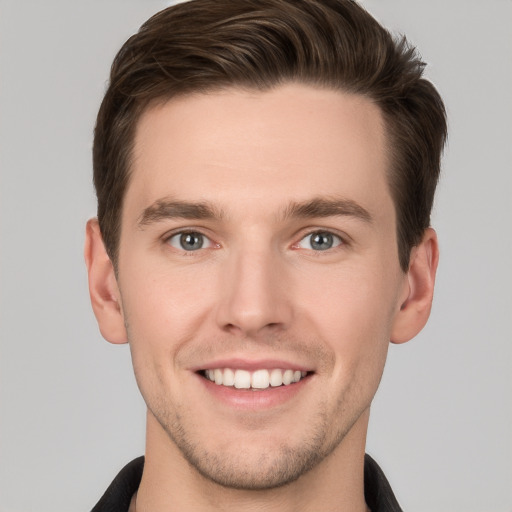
x=320 y=241
x=189 y=241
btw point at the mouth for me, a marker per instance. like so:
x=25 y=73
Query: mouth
x=256 y=380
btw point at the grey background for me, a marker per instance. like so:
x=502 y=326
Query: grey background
x=71 y=415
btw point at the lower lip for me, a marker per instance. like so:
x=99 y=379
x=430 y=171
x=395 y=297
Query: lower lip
x=254 y=399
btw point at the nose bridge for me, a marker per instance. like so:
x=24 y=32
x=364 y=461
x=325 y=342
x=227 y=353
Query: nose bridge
x=253 y=296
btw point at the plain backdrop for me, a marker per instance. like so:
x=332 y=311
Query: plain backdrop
x=71 y=415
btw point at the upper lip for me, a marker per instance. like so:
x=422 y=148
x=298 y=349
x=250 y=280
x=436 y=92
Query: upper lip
x=253 y=365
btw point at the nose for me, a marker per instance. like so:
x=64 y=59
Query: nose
x=254 y=296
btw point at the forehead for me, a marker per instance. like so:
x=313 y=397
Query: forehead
x=237 y=147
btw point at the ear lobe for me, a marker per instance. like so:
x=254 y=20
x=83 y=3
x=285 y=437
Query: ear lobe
x=417 y=302
x=103 y=289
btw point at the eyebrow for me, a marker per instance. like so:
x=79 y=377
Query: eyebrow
x=164 y=209
x=328 y=207
x=168 y=209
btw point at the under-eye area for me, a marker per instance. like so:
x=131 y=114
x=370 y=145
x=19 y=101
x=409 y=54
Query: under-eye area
x=254 y=380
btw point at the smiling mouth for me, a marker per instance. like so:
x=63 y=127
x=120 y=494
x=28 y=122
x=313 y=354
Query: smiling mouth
x=255 y=380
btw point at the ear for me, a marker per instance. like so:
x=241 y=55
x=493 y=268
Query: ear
x=418 y=293
x=103 y=289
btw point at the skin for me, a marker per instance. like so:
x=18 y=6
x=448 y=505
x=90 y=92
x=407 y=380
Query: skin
x=259 y=291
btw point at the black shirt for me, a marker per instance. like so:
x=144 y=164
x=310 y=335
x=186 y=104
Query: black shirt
x=377 y=491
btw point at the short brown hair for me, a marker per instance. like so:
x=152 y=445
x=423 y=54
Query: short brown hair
x=203 y=45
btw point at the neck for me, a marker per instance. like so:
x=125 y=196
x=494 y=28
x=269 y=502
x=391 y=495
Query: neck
x=170 y=483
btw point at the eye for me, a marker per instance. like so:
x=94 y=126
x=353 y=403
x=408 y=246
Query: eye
x=189 y=241
x=320 y=241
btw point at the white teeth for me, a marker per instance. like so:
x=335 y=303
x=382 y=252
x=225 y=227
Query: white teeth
x=287 y=377
x=229 y=377
x=259 y=379
x=276 y=377
x=242 y=379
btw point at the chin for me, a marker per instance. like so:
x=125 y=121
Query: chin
x=246 y=471
x=255 y=461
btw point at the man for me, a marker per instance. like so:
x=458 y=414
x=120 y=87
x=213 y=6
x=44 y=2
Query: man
x=265 y=172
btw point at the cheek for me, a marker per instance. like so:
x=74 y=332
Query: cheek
x=350 y=300
x=352 y=311
x=164 y=302
x=163 y=311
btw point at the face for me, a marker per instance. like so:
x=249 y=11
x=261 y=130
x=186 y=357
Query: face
x=258 y=277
